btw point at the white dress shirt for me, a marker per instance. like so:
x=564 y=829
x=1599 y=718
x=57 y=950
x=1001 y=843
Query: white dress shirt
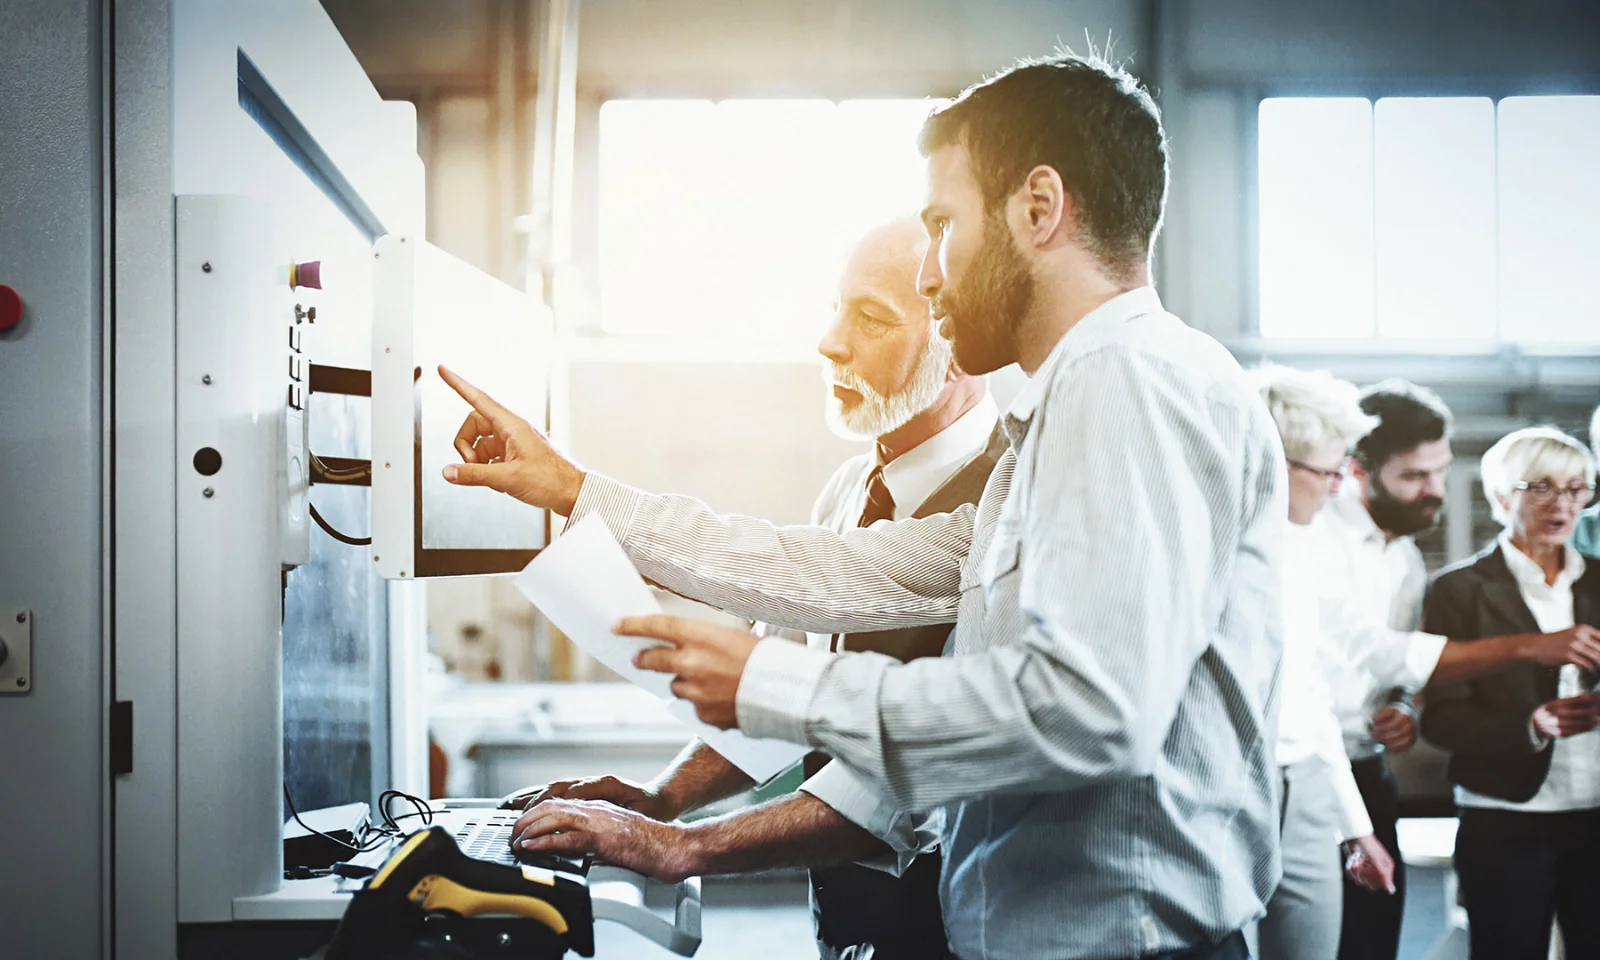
x=1102 y=738
x=1307 y=726
x=1573 y=782
x=1372 y=590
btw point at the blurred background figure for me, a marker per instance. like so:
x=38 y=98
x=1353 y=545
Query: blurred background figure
x=1319 y=418
x=1526 y=760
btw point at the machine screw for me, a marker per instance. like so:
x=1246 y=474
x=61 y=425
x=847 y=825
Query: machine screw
x=206 y=379
x=22 y=681
x=22 y=618
x=504 y=938
x=208 y=493
x=206 y=266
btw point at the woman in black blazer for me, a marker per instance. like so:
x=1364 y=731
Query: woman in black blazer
x=1525 y=756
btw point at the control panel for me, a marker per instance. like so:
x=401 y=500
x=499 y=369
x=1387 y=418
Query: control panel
x=303 y=280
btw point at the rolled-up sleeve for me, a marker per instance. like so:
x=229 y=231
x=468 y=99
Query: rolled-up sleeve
x=1112 y=610
x=906 y=835
x=901 y=574
x=1400 y=658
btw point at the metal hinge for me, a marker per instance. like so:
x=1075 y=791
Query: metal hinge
x=121 y=738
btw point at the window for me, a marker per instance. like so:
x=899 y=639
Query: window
x=732 y=219
x=1436 y=217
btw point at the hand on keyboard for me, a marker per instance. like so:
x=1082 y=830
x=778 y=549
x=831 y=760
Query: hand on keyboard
x=623 y=793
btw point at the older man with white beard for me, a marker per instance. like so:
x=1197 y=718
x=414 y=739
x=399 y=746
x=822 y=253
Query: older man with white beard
x=891 y=378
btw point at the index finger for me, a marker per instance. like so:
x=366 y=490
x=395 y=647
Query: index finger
x=660 y=626
x=499 y=416
x=546 y=815
x=551 y=791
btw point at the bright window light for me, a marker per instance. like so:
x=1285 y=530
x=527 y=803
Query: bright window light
x=1434 y=226
x=732 y=219
x=1550 y=218
x=1316 y=262
x=1430 y=218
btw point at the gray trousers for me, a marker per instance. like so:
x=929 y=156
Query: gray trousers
x=1304 y=914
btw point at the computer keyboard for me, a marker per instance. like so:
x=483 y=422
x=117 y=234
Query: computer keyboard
x=488 y=837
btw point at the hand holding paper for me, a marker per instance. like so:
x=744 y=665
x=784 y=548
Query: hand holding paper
x=585 y=584
x=705 y=660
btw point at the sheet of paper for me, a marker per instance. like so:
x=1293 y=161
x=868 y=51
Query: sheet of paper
x=584 y=583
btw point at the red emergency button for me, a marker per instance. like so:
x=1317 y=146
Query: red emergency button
x=306 y=274
x=10 y=308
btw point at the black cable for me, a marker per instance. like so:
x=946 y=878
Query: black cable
x=382 y=836
x=379 y=837
x=392 y=822
x=341 y=537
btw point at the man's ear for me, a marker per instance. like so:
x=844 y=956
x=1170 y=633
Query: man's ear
x=1049 y=211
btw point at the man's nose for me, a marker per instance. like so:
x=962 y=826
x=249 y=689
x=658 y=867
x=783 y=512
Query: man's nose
x=930 y=280
x=1435 y=487
x=834 y=345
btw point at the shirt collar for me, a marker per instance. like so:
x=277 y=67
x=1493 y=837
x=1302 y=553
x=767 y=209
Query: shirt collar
x=913 y=476
x=1528 y=573
x=1119 y=309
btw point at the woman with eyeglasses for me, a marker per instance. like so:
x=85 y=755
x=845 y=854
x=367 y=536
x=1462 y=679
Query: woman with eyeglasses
x=1319 y=418
x=1525 y=756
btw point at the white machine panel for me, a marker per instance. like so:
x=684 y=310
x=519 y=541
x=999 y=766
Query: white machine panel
x=430 y=308
x=232 y=396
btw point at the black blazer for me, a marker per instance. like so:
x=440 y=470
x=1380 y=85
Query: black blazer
x=1484 y=722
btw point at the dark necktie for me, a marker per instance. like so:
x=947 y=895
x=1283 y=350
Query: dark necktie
x=880 y=504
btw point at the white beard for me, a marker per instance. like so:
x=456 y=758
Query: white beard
x=877 y=414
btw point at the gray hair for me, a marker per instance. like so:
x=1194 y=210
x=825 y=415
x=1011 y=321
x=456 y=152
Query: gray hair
x=1529 y=455
x=1311 y=408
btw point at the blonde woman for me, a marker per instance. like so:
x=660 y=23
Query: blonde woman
x=1319 y=419
x=1525 y=754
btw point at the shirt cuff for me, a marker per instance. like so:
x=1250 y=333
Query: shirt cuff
x=779 y=680
x=906 y=835
x=1421 y=657
x=1354 y=821
x=1537 y=739
x=614 y=501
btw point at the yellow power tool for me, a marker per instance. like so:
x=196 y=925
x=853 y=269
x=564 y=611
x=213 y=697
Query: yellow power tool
x=428 y=889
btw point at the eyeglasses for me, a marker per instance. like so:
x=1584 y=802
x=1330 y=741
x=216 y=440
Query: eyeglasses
x=1544 y=492
x=1332 y=476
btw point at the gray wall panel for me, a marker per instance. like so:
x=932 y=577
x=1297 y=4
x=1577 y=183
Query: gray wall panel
x=51 y=497
x=145 y=667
